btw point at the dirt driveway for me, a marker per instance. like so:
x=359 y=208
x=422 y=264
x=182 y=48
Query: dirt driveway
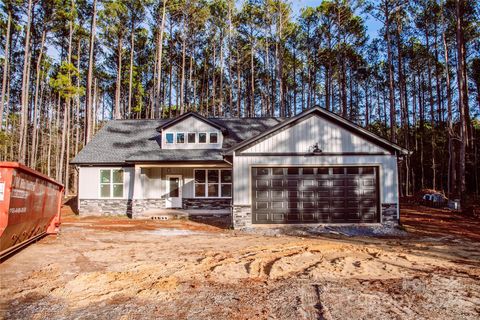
x=123 y=269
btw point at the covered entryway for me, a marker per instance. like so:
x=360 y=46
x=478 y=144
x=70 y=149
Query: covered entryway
x=315 y=194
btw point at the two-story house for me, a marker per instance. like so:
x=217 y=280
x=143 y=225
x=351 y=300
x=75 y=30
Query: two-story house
x=316 y=167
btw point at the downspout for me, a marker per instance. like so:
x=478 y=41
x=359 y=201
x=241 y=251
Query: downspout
x=78 y=188
x=398 y=185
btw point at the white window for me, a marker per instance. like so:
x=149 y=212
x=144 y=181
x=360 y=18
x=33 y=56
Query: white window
x=169 y=138
x=213 y=183
x=213 y=137
x=180 y=137
x=202 y=137
x=192 y=137
x=111 y=183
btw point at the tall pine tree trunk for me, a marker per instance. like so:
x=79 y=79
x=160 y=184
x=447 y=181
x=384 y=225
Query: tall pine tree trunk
x=462 y=99
x=159 y=108
x=432 y=115
x=118 y=85
x=5 y=68
x=25 y=88
x=33 y=159
x=130 y=76
x=88 y=99
x=182 y=80
x=391 y=87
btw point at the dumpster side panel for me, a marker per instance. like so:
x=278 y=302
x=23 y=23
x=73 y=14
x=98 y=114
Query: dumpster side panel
x=33 y=208
x=5 y=183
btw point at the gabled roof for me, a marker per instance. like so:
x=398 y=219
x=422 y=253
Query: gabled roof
x=180 y=118
x=352 y=127
x=121 y=142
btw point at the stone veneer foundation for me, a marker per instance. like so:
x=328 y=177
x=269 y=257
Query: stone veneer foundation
x=138 y=208
x=207 y=204
x=141 y=207
x=105 y=207
x=389 y=214
x=242 y=215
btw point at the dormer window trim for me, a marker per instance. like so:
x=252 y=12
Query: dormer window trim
x=210 y=137
x=180 y=134
x=206 y=138
x=194 y=137
x=167 y=141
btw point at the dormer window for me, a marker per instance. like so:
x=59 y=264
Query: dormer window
x=202 y=137
x=169 y=138
x=213 y=137
x=192 y=138
x=180 y=137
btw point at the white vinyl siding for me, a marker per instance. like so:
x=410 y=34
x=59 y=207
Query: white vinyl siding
x=89 y=183
x=331 y=138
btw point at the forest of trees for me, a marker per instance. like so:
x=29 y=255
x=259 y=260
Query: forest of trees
x=68 y=66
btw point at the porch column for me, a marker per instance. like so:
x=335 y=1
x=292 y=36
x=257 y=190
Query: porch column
x=137 y=185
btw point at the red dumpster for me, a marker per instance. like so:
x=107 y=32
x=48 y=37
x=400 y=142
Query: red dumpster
x=29 y=206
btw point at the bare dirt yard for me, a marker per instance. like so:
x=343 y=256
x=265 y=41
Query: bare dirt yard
x=115 y=268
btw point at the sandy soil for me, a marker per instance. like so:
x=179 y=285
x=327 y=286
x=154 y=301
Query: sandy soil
x=123 y=269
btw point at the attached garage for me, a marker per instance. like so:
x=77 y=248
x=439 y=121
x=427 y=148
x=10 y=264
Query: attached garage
x=315 y=195
x=316 y=167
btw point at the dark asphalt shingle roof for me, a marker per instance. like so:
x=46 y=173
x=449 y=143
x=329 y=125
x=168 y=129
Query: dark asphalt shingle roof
x=121 y=141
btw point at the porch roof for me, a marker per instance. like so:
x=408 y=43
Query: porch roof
x=169 y=155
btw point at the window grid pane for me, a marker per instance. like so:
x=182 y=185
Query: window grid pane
x=213 y=176
x=105 y=176
x=227 y=176
x=117 y=176
x=180 y=138
x=213 y=138
x=200 y=190
x=169 y=138
x=105 y=190
x=192 y=138
x=200 y=176
x=118 y=190
x=213 y=189
x=226 y=189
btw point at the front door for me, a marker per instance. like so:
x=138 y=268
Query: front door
x=174 y=191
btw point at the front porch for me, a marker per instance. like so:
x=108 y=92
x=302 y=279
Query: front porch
x=182 y=189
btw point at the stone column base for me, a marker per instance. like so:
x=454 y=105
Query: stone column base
x=389 y=214
x=241 y=216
